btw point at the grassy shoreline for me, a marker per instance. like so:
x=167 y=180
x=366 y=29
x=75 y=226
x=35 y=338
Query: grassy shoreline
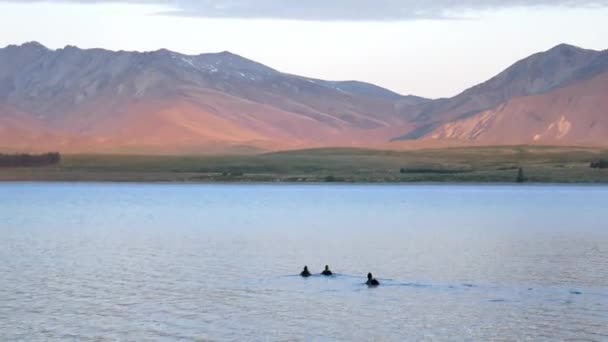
x=337 y=165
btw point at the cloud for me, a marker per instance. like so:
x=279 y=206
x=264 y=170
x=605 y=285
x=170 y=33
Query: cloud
x=349 y=10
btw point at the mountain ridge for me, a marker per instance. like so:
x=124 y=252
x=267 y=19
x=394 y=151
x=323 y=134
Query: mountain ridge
x=95 y=100
x=532 y=75
x=225 y=53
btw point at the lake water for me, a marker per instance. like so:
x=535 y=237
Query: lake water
x=136 y=262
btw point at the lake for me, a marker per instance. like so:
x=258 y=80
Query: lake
x=167 y=262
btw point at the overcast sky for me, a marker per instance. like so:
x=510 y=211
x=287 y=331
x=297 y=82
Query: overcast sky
x=431 y=48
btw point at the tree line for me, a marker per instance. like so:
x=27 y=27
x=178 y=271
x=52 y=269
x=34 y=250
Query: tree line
x=29 y=160
x=599 y=164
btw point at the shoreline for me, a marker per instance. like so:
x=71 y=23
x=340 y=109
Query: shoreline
x=487 y=165
x=288 y=183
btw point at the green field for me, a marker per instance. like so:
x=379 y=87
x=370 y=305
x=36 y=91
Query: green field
x=473 y=164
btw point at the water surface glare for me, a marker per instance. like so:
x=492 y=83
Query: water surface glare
x=135 y=262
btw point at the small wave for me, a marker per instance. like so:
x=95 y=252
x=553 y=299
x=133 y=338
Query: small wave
x=407 y=284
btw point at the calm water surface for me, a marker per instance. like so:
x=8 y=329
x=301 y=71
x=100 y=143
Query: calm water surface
x=220 y=262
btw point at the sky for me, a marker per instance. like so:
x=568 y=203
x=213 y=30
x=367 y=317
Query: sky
x=430 y=48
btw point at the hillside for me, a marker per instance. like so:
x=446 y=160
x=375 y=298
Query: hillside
x=99 y=101
x=540 y=73
x=575 y=113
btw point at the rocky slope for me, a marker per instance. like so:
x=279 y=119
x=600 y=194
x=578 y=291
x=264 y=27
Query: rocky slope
x=577 y=114
x=558 y=67
x=74 y=100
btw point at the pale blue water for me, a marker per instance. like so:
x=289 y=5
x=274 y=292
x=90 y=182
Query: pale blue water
x=134 y=262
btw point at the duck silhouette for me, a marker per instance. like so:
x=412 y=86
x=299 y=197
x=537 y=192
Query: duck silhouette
x=305 y=273
x=326 y=271
x=371 y=281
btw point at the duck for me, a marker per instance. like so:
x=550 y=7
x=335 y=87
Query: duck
x=305 y=273
x=326 y=272
x=371 y=281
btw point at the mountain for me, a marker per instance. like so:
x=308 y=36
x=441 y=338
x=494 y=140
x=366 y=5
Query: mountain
x=538 y=74
x=577 y=113
x=75 y=100
x=111 y=101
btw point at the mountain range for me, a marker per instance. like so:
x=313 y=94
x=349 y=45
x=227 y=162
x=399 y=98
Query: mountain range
x=99 y=101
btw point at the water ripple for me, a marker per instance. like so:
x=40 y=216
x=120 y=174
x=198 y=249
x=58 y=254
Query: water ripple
x=208 y=263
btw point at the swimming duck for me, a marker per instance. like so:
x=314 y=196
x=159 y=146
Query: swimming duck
x=326 y=272
x=371 y=281
x=305 y=273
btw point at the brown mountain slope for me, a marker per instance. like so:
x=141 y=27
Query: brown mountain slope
x=558 y=67
x=203 y=121
x=99 y=100
x=74 y=100
x=577 y=114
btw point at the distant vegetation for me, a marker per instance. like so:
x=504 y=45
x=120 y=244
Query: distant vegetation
x=338 y=165
x=429 y=170
x=334 y=179
x=599 y=164
x=29 y=160
x=520 y=176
